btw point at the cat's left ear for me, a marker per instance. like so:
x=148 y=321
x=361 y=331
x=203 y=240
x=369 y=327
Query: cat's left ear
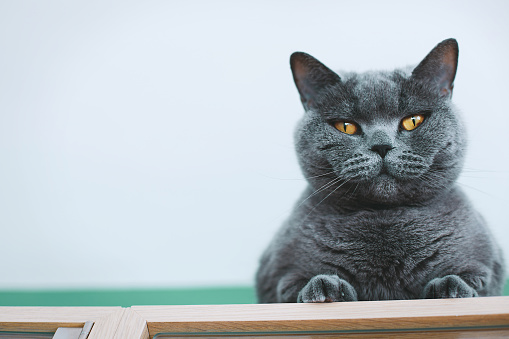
x=439 y=67
x=311 y=77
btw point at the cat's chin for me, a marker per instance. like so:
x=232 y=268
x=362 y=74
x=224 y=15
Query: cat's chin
x=383 y=189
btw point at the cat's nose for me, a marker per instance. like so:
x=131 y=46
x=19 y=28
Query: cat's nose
x=381 y=149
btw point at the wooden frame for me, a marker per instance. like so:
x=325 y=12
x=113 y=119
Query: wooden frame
x=48 y=319
x=375 y=317
x=471 y=317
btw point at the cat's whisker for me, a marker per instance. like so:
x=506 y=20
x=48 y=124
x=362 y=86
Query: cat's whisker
x=478 y=177
x=476 y=189
x=328 y=195
x=314 y=165
x=432 y=179
x=356 y=186
x=321 y=189
x=297 y=179
x=320 y=175
x=466 y=169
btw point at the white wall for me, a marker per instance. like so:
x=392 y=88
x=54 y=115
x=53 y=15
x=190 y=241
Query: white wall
x=149 y=143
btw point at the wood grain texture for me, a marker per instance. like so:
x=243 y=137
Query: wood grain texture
x=48 y=319
x=473 y=317
x=107 y=326
x=132 y=326
x=108 y=322
x=353 y=316
x=449 y=334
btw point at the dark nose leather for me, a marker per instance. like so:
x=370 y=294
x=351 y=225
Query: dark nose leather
x=381 y=149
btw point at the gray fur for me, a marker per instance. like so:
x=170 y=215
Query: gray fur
x=370 y=227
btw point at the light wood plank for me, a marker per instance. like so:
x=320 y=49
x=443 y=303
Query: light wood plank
x=107 y=326
x=451 y=334
x=22 y=313
x=49 y=318
x=374 y=315
x=132 y=326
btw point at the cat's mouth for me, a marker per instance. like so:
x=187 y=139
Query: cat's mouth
x=383 y=187
x=383 y=170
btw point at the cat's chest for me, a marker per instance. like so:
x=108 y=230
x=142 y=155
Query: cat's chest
x=377 y=243
x=382 y=254
x=378 y=234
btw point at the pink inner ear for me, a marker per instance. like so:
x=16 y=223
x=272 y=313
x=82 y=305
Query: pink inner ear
x=450 y=58
x=299 y=70
x=444 y=91
x=300 y=73
x=439 y=66
x=310 y=76
x=446 y=80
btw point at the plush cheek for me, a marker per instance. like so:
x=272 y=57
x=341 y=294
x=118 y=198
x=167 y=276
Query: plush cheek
x=427 y=140
x=335 y=148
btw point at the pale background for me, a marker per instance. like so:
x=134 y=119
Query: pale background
x=149 y=143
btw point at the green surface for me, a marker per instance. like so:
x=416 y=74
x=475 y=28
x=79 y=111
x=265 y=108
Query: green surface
x=130 y=297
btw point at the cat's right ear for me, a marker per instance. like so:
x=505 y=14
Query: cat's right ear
x=311 y=77
x=439 y=67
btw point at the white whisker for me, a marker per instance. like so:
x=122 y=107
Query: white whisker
x=328 y=195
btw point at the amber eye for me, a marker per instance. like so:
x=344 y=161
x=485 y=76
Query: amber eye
x=412 y=122
x=346 y=127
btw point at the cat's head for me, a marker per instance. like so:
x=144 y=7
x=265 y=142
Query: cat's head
x=381 y=138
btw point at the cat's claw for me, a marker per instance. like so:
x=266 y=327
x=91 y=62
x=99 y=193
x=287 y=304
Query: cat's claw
x=450 y=286
x=326 y=288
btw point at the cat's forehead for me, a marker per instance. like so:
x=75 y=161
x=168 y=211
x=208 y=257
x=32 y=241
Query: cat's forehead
x=366 y=95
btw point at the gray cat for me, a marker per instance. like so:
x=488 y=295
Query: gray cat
x=382 y=217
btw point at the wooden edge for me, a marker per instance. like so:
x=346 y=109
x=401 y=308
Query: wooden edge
x=132 y=326
x=22 y=313
x=108 y=322
x=107 y=326
x=49 y=319
x=354 y=316
x=85 y=331
x=361 y=325
x=142 y=322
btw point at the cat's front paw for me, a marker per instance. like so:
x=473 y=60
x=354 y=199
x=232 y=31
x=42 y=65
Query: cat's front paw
x=326 y=288
x=450 y=286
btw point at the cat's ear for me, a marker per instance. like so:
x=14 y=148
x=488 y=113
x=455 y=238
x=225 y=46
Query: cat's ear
x=310 y=76
x=439 y=67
